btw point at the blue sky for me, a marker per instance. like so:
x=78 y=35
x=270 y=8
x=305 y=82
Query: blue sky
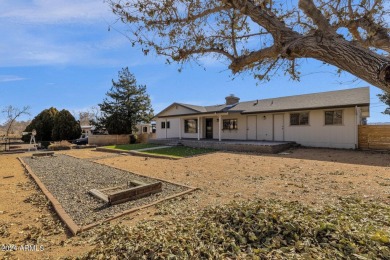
x=61 y=54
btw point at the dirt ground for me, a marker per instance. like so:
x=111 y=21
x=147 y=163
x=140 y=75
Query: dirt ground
x=311 y=176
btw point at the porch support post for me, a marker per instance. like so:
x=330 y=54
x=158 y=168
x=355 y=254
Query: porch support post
x=180 y=127
x=198 y=125
x=201 y=127
x=166 y=129
x=356 y=128
x=219 y=127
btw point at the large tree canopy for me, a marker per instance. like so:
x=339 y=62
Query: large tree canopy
x=53 y=125
x=65 y=127
x=266 y=36
x=127 y=105
x=43 y=123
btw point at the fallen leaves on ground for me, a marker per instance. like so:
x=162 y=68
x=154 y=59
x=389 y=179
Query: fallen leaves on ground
x=261 y=229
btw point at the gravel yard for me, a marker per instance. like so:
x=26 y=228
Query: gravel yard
x=311 y=177
x=69 y=179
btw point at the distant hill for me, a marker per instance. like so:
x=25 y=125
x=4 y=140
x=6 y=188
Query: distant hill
x=17 y=128
x=380 y=123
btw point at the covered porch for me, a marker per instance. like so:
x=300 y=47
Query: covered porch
x=206 y=126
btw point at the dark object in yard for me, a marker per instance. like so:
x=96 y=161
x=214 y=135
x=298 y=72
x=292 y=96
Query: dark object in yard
x=134 y=190
x=133 y=139
x=7 y=177
x=82 y=140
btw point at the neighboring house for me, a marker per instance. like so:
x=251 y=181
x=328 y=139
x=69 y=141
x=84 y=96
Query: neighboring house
x=327 y=119
x=146 y=128
x=87 y=130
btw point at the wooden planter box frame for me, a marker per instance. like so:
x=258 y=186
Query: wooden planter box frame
x=76 y=229
x=137 y=190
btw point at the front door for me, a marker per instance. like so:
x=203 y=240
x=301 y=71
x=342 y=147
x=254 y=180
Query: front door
x=278 y=127
x=209 y=128
x=251 y=127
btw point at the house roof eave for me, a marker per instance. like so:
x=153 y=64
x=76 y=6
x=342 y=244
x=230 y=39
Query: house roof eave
x=171 y=105
x=223 y=113
x=305 y=109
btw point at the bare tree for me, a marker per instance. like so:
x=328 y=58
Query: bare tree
x=86 y=117
x=89 y=117
x=12 y=113
x=265 y=36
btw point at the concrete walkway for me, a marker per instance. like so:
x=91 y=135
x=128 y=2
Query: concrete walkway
x=151 y=148
x=140 y=152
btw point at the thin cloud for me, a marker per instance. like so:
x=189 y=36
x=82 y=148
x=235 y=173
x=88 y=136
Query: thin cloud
x=54 y=11
x=54 y=32
x=8 y=78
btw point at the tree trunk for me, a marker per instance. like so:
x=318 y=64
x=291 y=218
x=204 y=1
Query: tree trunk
x=363 y=63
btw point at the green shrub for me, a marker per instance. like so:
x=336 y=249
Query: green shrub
x=65 y=127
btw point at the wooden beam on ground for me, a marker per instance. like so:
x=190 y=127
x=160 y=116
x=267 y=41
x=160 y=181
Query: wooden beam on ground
x=98 y=194
x=134 y=193
x=43 y=154
x=137 y=183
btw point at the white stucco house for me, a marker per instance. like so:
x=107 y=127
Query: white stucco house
x=87 y=130
x=146 y=128
x=327 y=119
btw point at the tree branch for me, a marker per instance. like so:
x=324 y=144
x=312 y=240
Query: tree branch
x=265 y=18
x=232 y=24
x=377 y=36
x=309 y=8
x=246 y=61
x=183 y=54
x=373 y=68
x=119 y=9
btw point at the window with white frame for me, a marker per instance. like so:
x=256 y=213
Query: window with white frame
x=162 y=125
x=334 y=117
x=229 y=124
x=301 y=118
x=191 y=126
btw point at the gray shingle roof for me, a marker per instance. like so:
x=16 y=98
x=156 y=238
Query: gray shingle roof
x=193 y=107
x=339 y=98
